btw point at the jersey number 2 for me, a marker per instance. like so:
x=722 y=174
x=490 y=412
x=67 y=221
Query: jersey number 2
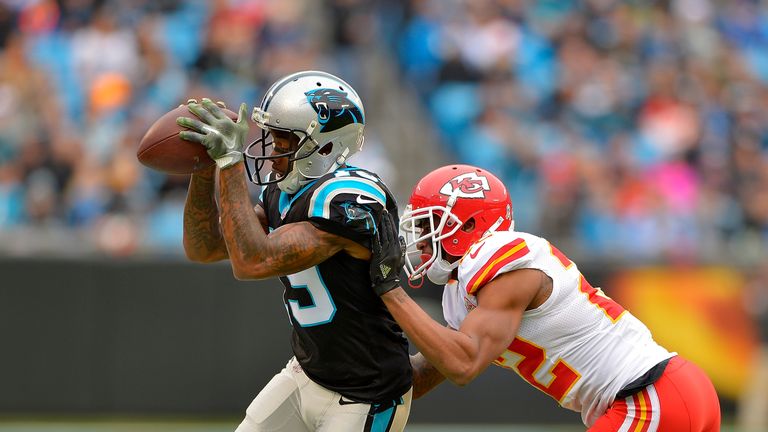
x=563 y=377
x=322 y=309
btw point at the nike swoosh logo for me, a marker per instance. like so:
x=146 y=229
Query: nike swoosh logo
x=474 y=253
x=361 y=200
x=347 y=402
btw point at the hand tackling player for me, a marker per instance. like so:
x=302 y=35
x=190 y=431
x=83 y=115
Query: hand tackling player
x=514 y=300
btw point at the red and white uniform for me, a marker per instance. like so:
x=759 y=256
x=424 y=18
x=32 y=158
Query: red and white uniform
x=580 y=347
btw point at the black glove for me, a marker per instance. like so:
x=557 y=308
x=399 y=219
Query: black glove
x=387 y=255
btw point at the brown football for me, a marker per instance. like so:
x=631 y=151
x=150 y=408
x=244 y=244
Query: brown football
x=162 y=149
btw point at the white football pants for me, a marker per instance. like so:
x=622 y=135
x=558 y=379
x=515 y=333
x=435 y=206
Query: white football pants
x=291 y=402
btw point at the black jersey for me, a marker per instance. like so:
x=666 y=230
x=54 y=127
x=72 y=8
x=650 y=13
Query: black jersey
x=343 y=336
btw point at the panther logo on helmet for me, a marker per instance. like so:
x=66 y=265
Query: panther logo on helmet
x=334 y=109
x=469 y=185
x=323 y=112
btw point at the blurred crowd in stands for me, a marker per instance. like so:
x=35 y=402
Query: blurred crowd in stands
x=628 y=129
x=638 y=128
x=82 y=80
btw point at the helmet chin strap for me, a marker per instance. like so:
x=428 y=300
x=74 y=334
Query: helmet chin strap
x=291 y=183
x=340 y=160
x=440 y=271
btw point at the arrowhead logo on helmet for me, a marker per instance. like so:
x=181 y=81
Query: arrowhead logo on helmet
x=469 y=185
x=440 y=210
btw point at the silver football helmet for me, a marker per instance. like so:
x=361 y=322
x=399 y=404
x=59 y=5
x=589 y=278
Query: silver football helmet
x=323 y=111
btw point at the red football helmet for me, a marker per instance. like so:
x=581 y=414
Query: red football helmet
x=441 y=204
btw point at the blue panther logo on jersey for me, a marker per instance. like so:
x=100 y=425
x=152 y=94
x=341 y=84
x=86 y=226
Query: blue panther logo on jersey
x=334 y=109
x=359 y=216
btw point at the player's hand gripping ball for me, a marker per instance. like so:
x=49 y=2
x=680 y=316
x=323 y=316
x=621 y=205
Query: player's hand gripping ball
x=164 y=150
x=223 y=138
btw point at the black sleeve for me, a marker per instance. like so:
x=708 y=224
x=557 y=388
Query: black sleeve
x=350 y=219
x=351 y=205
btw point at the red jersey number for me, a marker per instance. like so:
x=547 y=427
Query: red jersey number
x=533 y=357
x=596 y=296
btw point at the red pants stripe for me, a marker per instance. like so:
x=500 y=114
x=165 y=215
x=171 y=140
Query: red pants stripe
x=683 y=399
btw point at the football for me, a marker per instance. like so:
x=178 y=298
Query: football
x=162 y=149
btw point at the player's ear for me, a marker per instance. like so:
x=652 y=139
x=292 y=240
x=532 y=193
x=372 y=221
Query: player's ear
x=294 y=141
x=469 y=225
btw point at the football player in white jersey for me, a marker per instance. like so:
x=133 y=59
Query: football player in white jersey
x=514 y=300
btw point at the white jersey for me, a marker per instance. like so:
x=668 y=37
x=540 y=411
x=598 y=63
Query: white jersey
x=580 y=347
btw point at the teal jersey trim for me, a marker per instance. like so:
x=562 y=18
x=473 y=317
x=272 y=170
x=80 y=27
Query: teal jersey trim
x=320 y=203
x=286 y=202
x=382 y=420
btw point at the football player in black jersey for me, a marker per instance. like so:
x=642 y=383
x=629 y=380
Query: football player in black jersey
x=312 y=228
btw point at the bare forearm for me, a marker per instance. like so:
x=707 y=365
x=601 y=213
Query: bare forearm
x=449 y=351
x=425 y=376
x=202 y=235
x=256 y=255
x=240 y=225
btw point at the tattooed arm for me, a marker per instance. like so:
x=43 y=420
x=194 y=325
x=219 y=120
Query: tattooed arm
x=425 y=376
x=289 y=249
x=203 y=241
x=202 y=236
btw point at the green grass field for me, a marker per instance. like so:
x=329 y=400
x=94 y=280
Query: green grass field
x=106 y=425
x=221 y=426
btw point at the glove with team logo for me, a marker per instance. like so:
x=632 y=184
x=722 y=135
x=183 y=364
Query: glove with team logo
x=387 y=255
x=223 y=138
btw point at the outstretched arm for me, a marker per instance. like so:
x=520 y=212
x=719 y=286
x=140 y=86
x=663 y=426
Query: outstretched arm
x=425 y=376
x=485 y=333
